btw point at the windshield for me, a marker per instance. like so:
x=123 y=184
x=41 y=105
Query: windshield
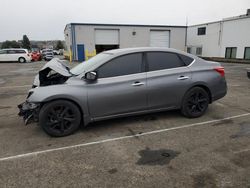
x=86 y=65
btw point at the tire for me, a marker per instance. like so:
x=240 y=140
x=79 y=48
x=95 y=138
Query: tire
x=195 y=102
x=21 y=60
x=60 y=118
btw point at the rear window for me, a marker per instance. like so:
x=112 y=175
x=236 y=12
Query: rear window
x=163 y=60
x=187 y=60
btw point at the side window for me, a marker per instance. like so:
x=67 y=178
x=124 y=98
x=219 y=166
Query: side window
x=187 y=60
x=10 y=51
x=124 y=65
x=20 y=51
x=2 y=52
x=163 y=60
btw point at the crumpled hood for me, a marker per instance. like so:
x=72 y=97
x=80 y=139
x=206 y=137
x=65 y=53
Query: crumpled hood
x=61 y=73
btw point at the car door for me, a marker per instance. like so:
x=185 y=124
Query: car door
x=167 y=79
x=120 y=87
x=3 y=55
x=11 y=55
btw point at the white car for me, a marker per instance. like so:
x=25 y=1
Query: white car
x=15 y=54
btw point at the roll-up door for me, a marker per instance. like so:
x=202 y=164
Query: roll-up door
x=159 y=39
x=106 y=36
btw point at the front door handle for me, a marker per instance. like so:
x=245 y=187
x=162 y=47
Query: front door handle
x=137 y=84
x=183 y=78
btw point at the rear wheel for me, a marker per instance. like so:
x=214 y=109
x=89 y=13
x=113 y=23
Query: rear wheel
x=195 y=102
x=60 y=118
x=21 y=60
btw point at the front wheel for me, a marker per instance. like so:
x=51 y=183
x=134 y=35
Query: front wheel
x=195 y=102
x=60 y=118
x=21 y=60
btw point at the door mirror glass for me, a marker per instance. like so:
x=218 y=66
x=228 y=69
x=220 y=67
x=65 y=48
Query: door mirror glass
x=91 y=76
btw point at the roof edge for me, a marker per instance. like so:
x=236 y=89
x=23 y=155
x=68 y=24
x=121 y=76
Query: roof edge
x=223 y=20
x=126 y=25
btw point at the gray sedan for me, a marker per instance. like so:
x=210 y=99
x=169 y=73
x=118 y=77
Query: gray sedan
x=120 y=83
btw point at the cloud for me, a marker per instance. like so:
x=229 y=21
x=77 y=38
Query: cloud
x=45 y=20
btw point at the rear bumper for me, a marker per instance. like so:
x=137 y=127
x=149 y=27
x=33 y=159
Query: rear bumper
x=219 y=95
x=220 y=91
x=29 y=111
x=28 y=59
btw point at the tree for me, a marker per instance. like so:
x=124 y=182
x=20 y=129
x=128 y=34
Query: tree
x=59 y=45
x=26 y=42
x=10 y=44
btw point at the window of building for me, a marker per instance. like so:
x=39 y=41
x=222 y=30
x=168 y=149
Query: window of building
x=231 y=53
x=201 y=31
x=124 y=65
x=163 y=60
x=247 y=53
x=199 y=51
x=189 y=50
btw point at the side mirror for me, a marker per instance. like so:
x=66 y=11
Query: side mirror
x=91 y=76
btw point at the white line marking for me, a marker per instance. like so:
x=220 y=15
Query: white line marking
x=10 y=87
x=118 y=138
x=245 y=150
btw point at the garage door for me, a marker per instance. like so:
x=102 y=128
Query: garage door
x=106 y=36
x=159 y=39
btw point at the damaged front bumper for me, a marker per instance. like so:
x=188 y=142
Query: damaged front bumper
x=29 y=111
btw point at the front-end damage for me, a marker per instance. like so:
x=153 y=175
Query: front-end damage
x=54 y=72
x=29 y=111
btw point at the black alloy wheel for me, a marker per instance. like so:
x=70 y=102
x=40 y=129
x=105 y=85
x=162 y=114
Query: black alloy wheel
x=195 y=102
x=60 y=118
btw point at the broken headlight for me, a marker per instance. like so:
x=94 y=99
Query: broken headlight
x=29 y=94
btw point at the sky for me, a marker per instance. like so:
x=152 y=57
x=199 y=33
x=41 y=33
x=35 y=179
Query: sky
x=46 y=19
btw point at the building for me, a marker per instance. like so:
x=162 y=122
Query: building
x=228 y=38
x=84 y=40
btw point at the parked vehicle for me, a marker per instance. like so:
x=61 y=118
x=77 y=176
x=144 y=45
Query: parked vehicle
x=248 y=73
x=47 y=54
x=120 y=83
x=15 y=55
x=58 y=52
x=36 y=56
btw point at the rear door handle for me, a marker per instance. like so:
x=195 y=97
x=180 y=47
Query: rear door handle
x=183 y=78
x=137 y=84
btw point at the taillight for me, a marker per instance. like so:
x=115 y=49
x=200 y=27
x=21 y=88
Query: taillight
x=220 y=70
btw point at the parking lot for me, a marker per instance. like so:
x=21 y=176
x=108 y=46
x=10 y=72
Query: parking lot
x=155 y=150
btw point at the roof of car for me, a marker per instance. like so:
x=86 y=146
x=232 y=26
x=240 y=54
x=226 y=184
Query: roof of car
x=13 y=49
x=143 y=49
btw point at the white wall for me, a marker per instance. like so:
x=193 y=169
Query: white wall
x=208 y=42
x=236 y=33
x=85 y=34
x=67 y=36
x=219 y=35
